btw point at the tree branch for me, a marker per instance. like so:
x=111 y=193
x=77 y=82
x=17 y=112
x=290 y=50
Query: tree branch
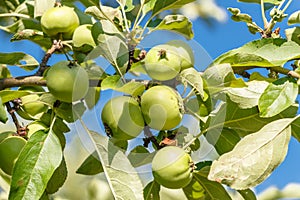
x=20 y=81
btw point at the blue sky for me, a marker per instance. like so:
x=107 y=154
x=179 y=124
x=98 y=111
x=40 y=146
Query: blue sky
x=216 y=40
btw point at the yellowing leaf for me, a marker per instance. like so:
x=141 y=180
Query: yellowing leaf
x=255 y=157
x=294 y=18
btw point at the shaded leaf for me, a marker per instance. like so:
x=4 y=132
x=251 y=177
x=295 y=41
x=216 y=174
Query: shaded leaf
x=20 y=59
x=224 y=141
x=267 y=52
x=247 y=194
x=293 y=34
x=151 y=191
x=294 y=18
x=36 y=163
x=255 y=157
x=247 y=97
x=4 y=71
x=3 y=115
x=91 y=165
x=193 y=78
x=277 y=97
x=178 y=24
x=92 y=97
x=296 y=129
x=140 y=156
x=124 y=179
x=115 y=83
x=58 y=178
x=213 y=190
x=194 y=190
x=67 y=111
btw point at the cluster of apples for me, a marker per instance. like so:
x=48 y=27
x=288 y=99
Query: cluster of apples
x=124 y=117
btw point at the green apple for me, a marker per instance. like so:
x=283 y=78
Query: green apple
x=10 y=149
x=172 y=167
x=161 y=107
x=162 y=62
x=31 y=107
x=67 y=82
x=60 y=20
x=122 y=118
x=185 y=52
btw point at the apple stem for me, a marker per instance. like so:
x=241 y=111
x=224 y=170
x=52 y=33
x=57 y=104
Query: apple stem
x=162 y=54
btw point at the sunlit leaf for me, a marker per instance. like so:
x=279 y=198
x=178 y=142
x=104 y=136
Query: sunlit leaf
x=151 y=191
x=8 y=95
x=218 y=77
x=114 y=82
x=294 y=18
x=124 y=179
x=36 y=163
x=178 y=24
x=267 y=52
x=192 y=78
x=255 y=157
x=277 y=97
x=19 y=59
x=91 y=165
x=162 y=5
x=247 y=97
x=242 y=121
x=275 y=2
x=111 y=44
x=3 y=115
x=41 y=6
x=247 y=194
x=293 y=34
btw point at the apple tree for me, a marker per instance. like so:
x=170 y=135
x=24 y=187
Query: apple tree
x=243 y=104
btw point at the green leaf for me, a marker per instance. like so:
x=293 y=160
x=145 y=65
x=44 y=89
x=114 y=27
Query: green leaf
x=162 y=5
x=8 y=95
x=192 y=78
x=91 y=165
x=123 y=177
x=277 y=97
x=224 y=141
x=3 y=115
x=213 y=190
x=247 y=194
x=178 y=24
x=4 y=71
x=67 y=111
x=111 y=45
x=194 y=190
x=41 y=6
x=294 y=18
x=275 y=2
x=110 y=12
x=218 y=77
x=296 y=129
x=92 y=97
x=151 y=191
x=242 y=121
x=140 y=156
x=34 y=36
x=247 y=97
x=36 y=164
x=20 y=59
x=267 y=52
x=293 y=34
x=58 y=178
x=115 y=83
x=255 y=157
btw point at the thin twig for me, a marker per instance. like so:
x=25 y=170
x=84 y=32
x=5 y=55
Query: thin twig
x=150 y=137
